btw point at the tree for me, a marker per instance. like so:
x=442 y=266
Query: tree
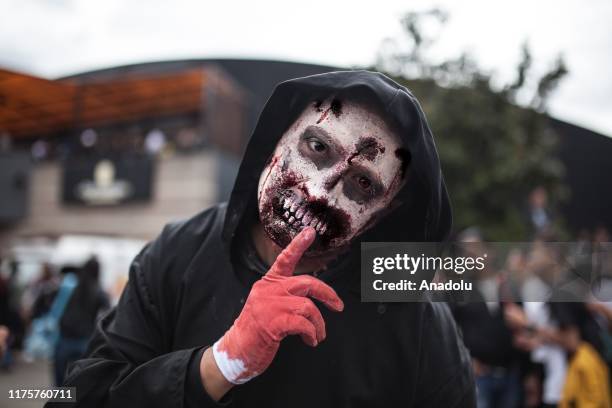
x=493 y=151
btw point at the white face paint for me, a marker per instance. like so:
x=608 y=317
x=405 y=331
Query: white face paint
x=334 y=169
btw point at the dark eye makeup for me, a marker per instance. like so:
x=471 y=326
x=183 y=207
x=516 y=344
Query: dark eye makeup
x=316 y=145
x=364 y=182
x=360 y=185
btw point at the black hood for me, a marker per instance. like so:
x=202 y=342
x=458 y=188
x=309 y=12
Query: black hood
x=425 y=212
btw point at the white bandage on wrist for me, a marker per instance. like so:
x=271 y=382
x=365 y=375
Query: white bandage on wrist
x=231 y=368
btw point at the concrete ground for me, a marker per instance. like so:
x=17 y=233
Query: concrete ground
x=24 y=375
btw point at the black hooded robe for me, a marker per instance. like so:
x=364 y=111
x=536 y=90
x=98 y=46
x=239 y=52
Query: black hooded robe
x=185 y=290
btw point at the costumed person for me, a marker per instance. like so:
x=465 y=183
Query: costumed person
x=257 y=302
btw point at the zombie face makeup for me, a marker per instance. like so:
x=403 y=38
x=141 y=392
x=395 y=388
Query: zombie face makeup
x=337 y=168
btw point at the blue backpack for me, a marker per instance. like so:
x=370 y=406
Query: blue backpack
x=45 y=332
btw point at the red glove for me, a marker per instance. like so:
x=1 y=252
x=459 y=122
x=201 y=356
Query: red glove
x=277 y=306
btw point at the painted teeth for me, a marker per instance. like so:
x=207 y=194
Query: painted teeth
x=299 y=213
x=306 y=219
x=321 y=227
x=298 y=217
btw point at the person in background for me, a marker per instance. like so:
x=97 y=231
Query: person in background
x=42 y=292
x=539 y=215
x=575 y=375
x=4 y=334
x=602 y=313
x=15 y=290
x=496 y=361
x=562 y=336
x=11 y=325
x=4 y=317
x=77 y=323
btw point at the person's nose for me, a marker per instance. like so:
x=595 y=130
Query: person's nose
x=334 y=177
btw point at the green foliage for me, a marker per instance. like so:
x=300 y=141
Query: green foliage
x=493 y=152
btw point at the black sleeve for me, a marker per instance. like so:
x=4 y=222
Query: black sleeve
x=445 y=369
x=196 y=396
x=129 y=361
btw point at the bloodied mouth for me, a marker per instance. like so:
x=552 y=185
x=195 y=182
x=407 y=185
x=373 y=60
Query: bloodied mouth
x=298 y=216
x=290 y=211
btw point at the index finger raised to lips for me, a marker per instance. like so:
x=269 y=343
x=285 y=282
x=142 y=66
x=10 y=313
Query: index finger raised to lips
x=290 y=256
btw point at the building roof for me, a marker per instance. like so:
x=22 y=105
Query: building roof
x=257 y=77
x=32 y=106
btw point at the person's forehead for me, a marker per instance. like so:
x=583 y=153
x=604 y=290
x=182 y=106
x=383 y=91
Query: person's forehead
x=348 y=122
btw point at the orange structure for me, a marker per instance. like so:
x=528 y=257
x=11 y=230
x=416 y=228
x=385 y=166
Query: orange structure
x=32 y=107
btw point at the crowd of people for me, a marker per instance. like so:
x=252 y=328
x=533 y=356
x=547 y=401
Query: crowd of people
x=25 y=309
x=530 y=350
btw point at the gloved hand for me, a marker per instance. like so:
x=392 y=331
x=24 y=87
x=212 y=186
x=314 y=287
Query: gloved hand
x=277 y=306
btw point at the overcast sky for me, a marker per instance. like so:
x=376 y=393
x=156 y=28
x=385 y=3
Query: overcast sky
x=52 y=38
